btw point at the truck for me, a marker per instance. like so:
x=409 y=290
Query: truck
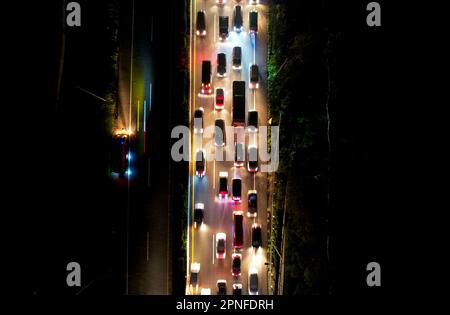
x=238 y=103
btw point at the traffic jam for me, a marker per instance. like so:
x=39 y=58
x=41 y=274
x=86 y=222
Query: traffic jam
x=221 y=93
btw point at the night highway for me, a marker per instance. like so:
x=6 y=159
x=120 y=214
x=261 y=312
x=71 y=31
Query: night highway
x=206 y=147
x=218 y=214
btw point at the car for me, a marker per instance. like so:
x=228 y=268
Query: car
x=199 y=209
x=252 y=121
x=201 y=23
x=253 y=281
x=219 y=133
x=221 y=287
x=221 y=245
x=254 y=77
x=237 y=55
x=205 y=291
x=120 y=153
x=236 y=189
x=223 y=27
x=223 y=185
x=256 y=235
x=252 y=203
x=200 y=164
x=236 y=260
x=253 y=18
x=237 y=288
x=237 y=19
x=206 y=77
x=239 y=154
x=238 y=231
x=221 y=2
x=220 y=99
x=252 y=159
x=194 y=279
x=198 y=120
x=221 y=65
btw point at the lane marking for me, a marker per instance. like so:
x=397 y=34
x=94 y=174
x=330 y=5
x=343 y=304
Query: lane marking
x=214 y=172
x=138 y=109
x=193 y=139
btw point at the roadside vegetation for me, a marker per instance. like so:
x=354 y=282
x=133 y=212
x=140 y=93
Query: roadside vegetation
x=298 y=95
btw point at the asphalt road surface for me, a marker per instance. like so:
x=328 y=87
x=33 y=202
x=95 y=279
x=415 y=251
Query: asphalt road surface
x=218 y=213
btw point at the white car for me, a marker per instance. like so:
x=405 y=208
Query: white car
x=205 y=291
x=221 y=245
x=198 y=120
x=253 y=281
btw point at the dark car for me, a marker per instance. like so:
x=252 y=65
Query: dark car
x=252 y=160
x=219 y=133
x=252 y=122
x=220 y=99
x=198 y=120
x=238 y=232
x=221 y=245
x=253 y=18
x=254 y=77
x=256 y=235
x=221 y=65
x=221 y=287
x=206 y=77
x=194 y=279
x=252 y=203
x=237 y=189
x=237 y=55
x=237 y=19
x=201 y=23
x=237 y=288
x=236 y=260
x=120 y=154
x=223 y=185
x=199 y=209
x=223 y=27
x=200 y=165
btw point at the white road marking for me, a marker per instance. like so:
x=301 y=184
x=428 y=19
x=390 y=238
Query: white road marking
x=213 y=244
x=214 y=174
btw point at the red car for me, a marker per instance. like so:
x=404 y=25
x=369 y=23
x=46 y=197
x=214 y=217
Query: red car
x=220 y=99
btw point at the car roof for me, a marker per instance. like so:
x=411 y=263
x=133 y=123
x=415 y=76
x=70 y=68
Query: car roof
x=199 y=205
